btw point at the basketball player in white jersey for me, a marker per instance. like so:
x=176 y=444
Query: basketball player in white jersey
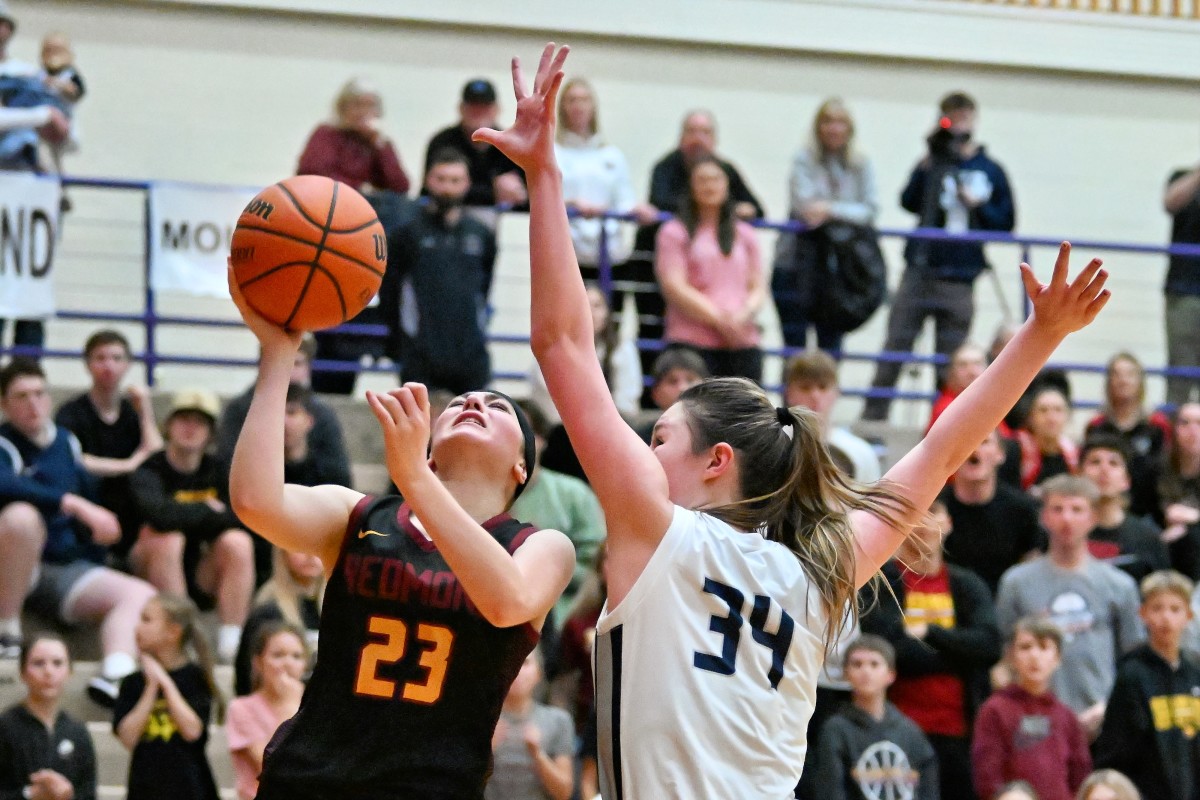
x=735 y=544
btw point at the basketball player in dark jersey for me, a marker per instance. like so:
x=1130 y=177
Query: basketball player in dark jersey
x=433 y=601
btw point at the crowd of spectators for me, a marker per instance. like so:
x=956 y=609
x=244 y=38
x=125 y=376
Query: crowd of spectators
x=1041 y=618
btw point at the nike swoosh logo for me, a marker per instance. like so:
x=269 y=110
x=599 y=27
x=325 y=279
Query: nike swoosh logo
x=365 y=534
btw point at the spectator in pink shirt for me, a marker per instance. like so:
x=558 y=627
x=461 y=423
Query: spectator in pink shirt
x=708 y=264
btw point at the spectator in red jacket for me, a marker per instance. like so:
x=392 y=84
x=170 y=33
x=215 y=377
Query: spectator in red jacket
x=353 y=148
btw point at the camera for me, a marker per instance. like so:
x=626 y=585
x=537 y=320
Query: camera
x=943 y=142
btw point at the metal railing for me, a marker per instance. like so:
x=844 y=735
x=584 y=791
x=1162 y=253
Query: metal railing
x=151 y=320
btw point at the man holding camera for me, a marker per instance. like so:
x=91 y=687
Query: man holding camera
x=959 y=188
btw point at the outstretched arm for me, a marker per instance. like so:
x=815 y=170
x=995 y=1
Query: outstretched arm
x=299 y=518
x=1059 y=308
x=627 y=478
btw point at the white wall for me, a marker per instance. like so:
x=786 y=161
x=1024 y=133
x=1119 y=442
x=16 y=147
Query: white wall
x=210 y=92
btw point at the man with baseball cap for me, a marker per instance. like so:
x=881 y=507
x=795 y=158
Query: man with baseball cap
x=190 y=542
x=494 y=178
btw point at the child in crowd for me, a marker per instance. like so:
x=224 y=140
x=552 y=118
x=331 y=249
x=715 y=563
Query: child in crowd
x=280 y=660
x=868 y=748
x=1016 y=790
x=676 y=370
x=942 y=624
x=1154 y=711
x=162 y=711
x=1131 y=543
x=1023 y=731
x=1094 y=604
x=1108 y=784
x=1046 y=449
x=532 y=745
x=62 y=81
x=293 y=595
x=45 y=754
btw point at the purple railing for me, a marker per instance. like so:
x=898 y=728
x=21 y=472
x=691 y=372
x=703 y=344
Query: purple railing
x=151 y=319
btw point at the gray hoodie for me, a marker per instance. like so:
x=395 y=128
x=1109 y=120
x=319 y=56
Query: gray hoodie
x=861 y=758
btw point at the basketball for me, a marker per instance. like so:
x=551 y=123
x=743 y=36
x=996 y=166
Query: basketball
x=308 y=253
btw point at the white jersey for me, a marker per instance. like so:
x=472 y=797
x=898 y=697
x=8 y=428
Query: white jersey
x=706 y=671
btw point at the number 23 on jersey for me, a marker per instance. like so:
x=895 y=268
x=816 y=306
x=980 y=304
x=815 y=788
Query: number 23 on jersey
x=730 y=628
x=435 y=641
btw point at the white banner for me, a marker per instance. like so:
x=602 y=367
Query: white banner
x=190 y=229
x=29 y=206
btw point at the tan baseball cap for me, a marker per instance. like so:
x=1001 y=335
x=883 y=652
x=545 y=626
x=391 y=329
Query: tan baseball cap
x=201 y=400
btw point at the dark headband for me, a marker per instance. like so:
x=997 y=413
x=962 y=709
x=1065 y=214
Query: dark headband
x=527 y=432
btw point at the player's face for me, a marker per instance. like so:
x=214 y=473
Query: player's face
x=1124 y=381
x=671 y=443
x=982 y=464
x=1107 y=470
x=478 y=419
x=46 y=669
x=26 y=405
x=1067 y=519
x=1034 y=659
x=107 y=364
x=1166 y=614
x=868 y=673
x=811 y=395
x=283 y=653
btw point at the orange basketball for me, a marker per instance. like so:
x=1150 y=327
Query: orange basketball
x=308 y=253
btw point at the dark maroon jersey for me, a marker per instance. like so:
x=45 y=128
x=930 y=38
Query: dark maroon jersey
x=410 y=677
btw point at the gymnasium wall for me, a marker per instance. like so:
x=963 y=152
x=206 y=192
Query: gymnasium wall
x=1088 y=115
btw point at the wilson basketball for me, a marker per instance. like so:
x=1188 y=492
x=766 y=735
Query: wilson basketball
x=308 y=253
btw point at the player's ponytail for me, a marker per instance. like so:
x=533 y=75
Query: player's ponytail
x=793 y=491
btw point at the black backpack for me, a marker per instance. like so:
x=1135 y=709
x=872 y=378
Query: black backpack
x=850 y=276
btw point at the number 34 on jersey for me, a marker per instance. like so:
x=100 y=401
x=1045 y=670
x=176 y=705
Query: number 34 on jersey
x=729 y=626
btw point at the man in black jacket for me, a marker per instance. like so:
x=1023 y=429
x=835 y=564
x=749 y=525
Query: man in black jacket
x=946 y=638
